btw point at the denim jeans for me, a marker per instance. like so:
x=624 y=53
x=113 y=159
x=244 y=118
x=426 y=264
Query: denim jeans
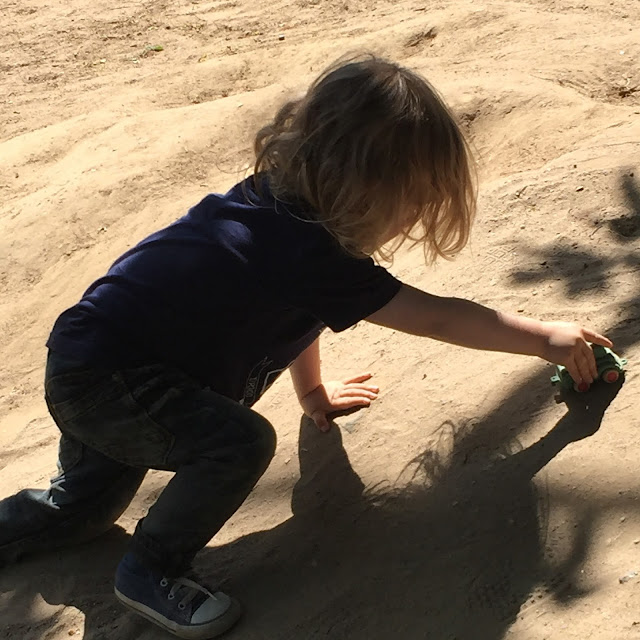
x=116 y=425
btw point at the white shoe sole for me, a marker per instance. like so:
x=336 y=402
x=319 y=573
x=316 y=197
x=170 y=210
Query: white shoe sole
x=192 y=632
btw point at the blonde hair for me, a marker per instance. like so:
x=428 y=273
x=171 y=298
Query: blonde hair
x=375 y=152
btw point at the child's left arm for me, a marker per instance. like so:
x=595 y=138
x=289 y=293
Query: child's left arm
x=321 y=398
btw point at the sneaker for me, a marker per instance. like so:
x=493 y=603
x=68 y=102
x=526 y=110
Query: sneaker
x=181 y=606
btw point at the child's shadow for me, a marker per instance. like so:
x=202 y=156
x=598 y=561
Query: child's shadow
x=454 y=553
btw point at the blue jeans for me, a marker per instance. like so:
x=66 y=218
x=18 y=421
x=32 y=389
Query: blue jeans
x=115 y=426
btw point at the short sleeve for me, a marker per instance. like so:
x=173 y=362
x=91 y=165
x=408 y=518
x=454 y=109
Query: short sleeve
x=337 y=288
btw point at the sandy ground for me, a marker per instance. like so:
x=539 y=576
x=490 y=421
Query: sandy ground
x=466 y=504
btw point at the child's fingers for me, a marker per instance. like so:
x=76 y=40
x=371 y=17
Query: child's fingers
x=365 y=387
x=359 y=378
x=583 y=367
x=584 y=363
x=596 y=338
x=593 y=367
x=574 y=372
x=351 y=401
x=349 y=392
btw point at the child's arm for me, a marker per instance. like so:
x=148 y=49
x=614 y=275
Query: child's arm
x=305 y=370
x=468 y=324
x=319 y=399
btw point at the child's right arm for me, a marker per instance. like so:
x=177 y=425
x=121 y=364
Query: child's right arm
x=468 y=324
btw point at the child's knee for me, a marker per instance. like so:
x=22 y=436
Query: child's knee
x=263 y=443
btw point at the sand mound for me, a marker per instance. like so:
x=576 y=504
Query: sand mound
x=434 y=514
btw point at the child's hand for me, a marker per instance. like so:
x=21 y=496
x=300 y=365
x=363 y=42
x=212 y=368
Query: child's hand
x=567 y=344
x=338 y=396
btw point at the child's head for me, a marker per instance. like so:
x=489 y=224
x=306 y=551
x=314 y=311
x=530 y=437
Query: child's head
x=373 y=149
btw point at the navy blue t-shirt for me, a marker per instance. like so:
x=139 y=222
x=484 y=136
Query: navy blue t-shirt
x=231 y=293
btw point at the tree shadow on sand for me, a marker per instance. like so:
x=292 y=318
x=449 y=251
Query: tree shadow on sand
x=583 y=271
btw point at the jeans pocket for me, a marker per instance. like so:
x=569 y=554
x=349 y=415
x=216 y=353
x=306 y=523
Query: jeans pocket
x=69 y=395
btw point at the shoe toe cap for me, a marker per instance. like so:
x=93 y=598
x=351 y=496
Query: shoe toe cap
x=212 y=608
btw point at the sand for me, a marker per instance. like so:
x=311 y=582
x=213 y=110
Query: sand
x=465 y=503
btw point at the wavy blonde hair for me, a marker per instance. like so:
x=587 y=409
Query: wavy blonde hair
x=375 y=152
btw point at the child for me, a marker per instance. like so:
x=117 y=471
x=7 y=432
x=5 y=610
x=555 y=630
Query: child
x=160 y=362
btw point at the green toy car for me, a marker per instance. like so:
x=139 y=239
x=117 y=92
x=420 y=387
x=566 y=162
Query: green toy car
x=610 y=367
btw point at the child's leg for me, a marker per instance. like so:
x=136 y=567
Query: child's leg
x=155 y=416
x=221 y=450
x=87 y=496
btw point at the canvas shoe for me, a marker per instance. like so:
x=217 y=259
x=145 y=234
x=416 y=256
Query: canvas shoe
x=182 y=606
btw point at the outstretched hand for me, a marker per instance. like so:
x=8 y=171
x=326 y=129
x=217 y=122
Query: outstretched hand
x=567 y=344
x=333 y=396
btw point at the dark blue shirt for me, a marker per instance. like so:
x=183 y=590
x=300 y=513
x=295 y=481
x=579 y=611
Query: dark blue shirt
x=231 y=293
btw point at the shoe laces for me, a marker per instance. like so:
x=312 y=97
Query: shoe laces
x=188 y=588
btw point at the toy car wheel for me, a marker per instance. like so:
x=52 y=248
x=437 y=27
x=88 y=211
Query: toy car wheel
x=610 y=375
x=580 y=388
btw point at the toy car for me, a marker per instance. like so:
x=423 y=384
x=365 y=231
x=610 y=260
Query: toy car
x=610 y=366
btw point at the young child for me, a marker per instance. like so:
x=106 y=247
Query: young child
x=159 y=363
